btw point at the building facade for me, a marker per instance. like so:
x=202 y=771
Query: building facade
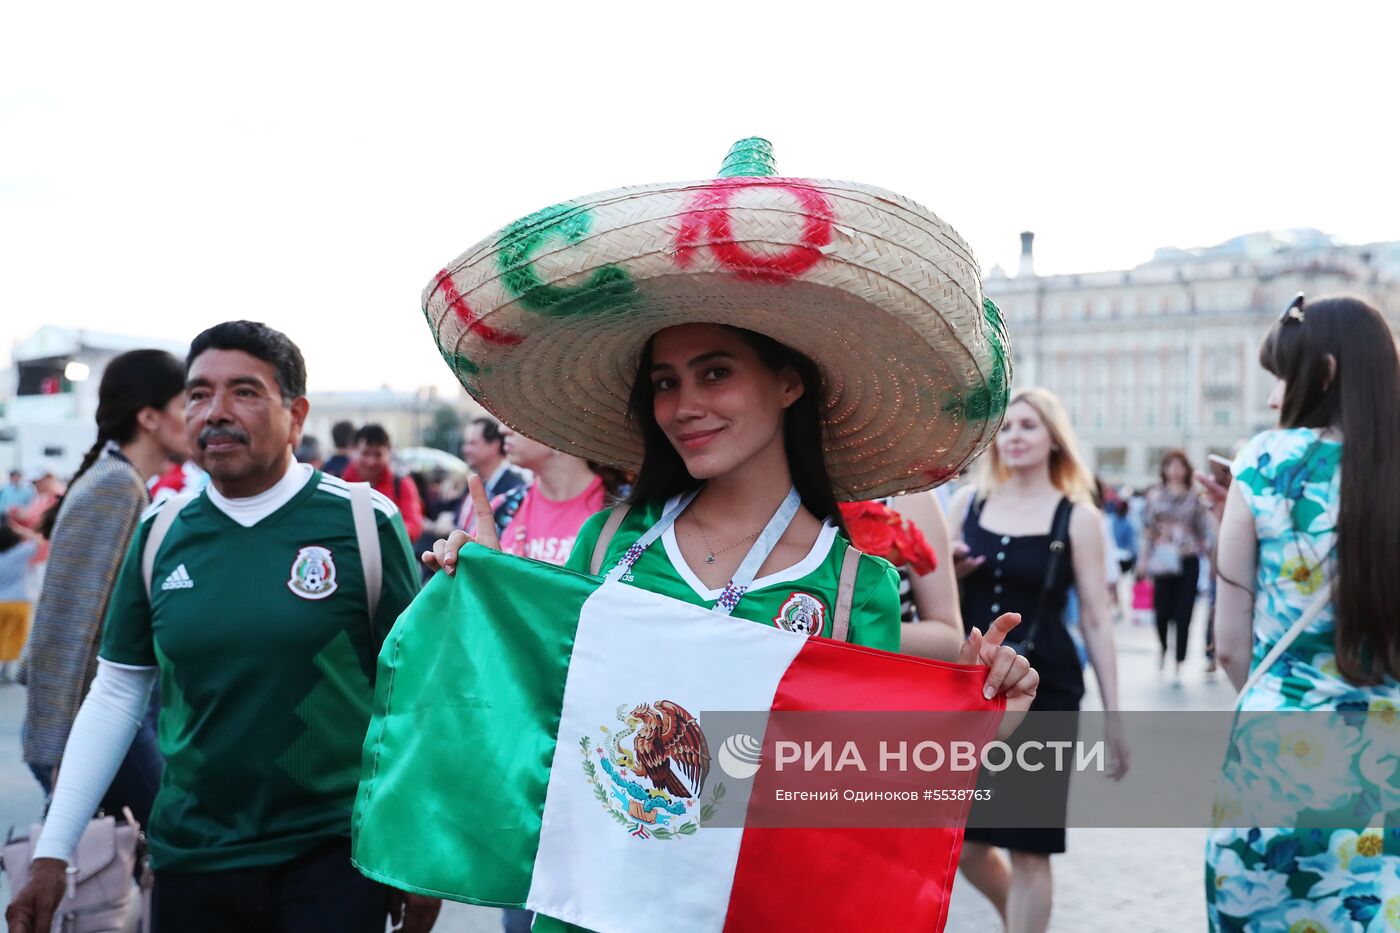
x=51 y=394
x=1165 y=355
x=48 y=399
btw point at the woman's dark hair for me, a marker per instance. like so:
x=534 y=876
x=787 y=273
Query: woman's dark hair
x=1359 y=398
x=663 y=473
x=8 y=538
x=260 y=342
x=133 y=381
x=1180 y=456
x=616 y=483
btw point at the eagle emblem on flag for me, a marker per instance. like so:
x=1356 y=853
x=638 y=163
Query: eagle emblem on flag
x=653 y=787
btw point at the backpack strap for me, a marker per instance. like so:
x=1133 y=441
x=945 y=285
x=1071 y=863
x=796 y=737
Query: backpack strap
x=1059 y=540
x=845 y=595
x=973 y=510
x=1320 y=601
x=367 y=537
x=160 y=526
x=600 y=549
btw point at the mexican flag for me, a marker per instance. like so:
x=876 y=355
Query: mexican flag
x=535 y=744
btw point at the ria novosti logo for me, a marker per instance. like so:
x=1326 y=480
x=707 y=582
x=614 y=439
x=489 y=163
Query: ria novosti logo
x=740 y=756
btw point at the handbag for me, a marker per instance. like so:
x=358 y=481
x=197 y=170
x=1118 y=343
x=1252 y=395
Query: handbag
x=99 y=876
x=1143 y=594
x=1164 y=560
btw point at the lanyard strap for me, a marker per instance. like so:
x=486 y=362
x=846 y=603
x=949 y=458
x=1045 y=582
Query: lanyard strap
x=743 y=578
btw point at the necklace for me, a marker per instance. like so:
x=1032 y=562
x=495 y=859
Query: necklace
x=710 y=551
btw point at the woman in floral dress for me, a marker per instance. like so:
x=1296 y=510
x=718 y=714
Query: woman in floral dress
x=1314 y=501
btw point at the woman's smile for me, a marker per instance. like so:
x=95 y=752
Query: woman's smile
x=697 y=440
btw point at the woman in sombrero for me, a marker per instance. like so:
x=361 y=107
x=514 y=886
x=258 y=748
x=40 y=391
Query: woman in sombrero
x=757 y=348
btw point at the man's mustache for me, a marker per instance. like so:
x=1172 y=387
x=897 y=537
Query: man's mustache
x=221 y=434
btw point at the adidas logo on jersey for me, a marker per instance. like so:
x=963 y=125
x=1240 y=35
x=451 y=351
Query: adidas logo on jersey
x=179 y=579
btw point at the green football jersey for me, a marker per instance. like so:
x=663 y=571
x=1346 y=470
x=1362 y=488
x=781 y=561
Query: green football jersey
x=800 y=598
x=267 y=657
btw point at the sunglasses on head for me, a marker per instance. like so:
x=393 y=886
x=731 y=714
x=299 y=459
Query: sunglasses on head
x=1294 y=311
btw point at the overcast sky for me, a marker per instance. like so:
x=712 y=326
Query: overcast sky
x=167 y=166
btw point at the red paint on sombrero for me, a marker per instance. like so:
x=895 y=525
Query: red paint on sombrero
x=938 y=474
x=707 y=223
x=468 y=317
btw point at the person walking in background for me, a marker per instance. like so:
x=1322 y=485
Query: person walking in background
x=371 y=465
x=1176 y=535
x=18 y=545
x=343 y=437
x=1106 y=501
x=309 y=452
x=1033 y=479
x=1123 y=540
x=16 y=493
x=262 y=633
x=484 y=451
x=48 y=489
x=140 y=426
x=1305 y=620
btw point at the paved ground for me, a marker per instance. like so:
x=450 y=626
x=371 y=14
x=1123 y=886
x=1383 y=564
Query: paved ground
x=1143 y=880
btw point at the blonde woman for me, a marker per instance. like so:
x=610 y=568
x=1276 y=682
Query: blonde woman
x=1029 y=532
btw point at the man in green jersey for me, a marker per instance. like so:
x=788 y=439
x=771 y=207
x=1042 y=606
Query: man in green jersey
x=259 y=606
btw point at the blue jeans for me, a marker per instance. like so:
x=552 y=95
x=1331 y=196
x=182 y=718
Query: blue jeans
x=517 y=921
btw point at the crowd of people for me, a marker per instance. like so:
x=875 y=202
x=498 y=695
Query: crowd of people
x=183 y=638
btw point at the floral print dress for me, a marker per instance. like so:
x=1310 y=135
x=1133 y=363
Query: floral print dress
x=1305 y=880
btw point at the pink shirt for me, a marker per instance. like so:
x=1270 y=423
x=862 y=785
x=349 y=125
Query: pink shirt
x=544 y=529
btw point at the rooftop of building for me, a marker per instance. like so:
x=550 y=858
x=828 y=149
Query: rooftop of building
x=1258 y=254
x=54 y=341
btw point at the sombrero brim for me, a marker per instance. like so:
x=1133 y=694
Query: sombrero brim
x=544 y=322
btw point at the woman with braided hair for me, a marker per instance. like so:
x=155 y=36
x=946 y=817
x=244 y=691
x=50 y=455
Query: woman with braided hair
x=140 y=427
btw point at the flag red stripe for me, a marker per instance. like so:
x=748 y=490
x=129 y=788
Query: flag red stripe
x=855 y=879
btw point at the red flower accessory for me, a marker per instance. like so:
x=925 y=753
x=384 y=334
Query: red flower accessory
x=879 y=530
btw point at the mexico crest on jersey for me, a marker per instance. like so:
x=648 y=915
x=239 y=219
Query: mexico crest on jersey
x=803 y=613
x=313 y=573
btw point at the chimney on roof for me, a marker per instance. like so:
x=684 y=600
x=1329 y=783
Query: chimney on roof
x=1027 y=267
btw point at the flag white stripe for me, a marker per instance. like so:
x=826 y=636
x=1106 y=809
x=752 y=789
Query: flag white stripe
x=634 y=647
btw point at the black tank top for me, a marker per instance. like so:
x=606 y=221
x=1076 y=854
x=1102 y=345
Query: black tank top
x=1010 y=580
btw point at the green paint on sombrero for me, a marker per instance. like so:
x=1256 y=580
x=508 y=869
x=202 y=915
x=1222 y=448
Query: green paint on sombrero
x=988 y=400
x=461 y=366
x=749 y=158
x=607 y=289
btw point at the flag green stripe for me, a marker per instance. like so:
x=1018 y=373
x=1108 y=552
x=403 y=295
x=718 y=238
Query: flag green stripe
x=466 y=714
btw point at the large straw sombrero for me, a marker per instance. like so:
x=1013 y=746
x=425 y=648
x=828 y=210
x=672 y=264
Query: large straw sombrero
x=544 y=321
